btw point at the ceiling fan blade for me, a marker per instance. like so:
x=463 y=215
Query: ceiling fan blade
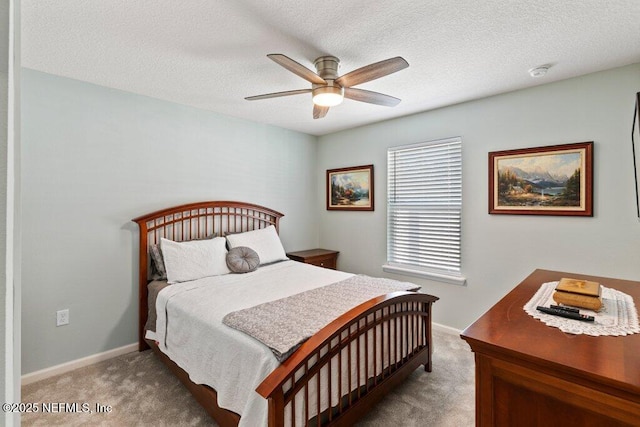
x=319 y=112
x=296 y=68
x=372 y=72
x=277 y=94
x=370 y=97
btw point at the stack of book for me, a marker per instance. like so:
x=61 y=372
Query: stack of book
x=578 y=293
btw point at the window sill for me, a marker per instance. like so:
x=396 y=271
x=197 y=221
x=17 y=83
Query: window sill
x=424 y=274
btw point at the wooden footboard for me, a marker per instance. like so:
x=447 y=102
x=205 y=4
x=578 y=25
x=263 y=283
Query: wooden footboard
x=343 y=370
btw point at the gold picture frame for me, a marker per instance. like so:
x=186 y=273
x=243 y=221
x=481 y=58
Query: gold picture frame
x=350 y=189
x=552 y=180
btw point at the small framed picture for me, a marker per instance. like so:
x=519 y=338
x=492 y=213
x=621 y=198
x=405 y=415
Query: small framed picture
x=350 y=189
x=552 y=180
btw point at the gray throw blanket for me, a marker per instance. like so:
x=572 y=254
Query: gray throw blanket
x=284 y=324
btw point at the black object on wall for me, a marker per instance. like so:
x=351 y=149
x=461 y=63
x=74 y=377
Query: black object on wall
x=636 y=113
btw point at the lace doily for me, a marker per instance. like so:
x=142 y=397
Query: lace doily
x=618 y=315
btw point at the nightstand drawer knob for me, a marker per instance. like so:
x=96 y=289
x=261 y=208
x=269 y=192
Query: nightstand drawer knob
x=322 y=264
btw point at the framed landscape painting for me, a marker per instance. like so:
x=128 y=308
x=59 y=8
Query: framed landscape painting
x=350 y=189
x=552 y=180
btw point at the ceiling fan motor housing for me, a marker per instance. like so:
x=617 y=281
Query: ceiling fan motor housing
x=327 y=67
x=330 y=94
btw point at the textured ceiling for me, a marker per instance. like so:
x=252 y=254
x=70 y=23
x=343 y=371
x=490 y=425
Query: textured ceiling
x=211 y=54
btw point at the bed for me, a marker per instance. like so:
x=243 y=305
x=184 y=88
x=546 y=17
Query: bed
x=333 y=378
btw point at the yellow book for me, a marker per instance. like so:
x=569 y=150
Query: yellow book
x=577 y=300
x=579 y=286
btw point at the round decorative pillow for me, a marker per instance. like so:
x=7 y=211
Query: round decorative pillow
x=242 y=259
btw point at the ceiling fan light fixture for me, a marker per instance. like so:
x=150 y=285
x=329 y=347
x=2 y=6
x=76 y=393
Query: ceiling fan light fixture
x=328 y=96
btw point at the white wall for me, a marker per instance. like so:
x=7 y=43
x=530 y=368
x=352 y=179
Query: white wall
x=93 y=158
x=499 y=251
x=9 y=208
x=7 y=312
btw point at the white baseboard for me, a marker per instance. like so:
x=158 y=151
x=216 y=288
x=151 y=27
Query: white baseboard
x=445 y=329
x=78 y=363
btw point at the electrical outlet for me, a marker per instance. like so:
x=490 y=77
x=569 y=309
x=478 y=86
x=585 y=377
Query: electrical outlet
x=62 y=317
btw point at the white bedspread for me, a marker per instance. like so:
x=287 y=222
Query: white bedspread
x=190 y=331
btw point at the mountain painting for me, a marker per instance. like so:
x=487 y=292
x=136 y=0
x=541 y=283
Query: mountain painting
x=350 y=188
x=549 y=180
x=536 y=180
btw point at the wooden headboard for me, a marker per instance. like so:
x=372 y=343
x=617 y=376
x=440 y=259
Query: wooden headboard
x=193 y=221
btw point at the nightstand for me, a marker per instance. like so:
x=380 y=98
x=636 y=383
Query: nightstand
x=320 y=257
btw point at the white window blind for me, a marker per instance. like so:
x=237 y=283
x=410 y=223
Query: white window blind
x=424 y=209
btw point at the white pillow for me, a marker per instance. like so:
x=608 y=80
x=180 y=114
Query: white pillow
x=264 y=241
x=194 y=259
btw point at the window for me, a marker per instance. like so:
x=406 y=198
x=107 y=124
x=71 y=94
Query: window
x=424 y=205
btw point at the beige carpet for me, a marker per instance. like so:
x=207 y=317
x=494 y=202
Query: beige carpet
x=141 y=392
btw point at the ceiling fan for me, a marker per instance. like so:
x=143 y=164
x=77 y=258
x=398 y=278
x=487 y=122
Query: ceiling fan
x=328 y=89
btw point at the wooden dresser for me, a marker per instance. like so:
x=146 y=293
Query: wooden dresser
x=320 y=257
x=531 y=374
